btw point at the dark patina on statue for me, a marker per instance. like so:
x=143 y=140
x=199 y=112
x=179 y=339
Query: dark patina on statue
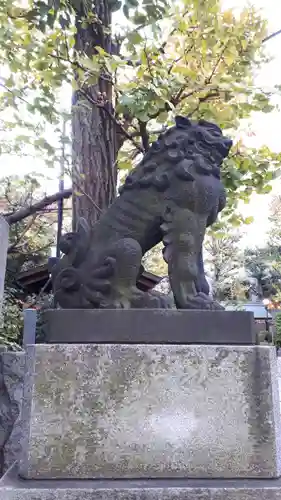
x=172 y=195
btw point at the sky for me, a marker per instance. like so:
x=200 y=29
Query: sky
x=265 y=128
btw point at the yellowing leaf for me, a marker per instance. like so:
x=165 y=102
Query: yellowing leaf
x=74 y=84
x=184 y=70
x=248 y=220
x=229 y=58
x=228 y=16
x=100 y=51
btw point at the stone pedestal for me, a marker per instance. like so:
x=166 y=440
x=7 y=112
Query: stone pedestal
x=150 y=411
x=4 y=235
x=148 y=422
x=14 y=488
x=13 y=372
x=11 y=388
x=150 y=326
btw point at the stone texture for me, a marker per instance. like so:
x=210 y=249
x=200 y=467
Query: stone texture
x=13 y=488
x=148 y=326
x=11 y=390
x=279 y=378
x=137 y=411
x=13 y=369
x=6 y=415
x=141 y=494
x=4 y=234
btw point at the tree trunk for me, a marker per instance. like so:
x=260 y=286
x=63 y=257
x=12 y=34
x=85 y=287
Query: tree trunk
x=94 y=145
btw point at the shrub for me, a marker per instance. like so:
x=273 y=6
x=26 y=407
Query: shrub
x=277 y=338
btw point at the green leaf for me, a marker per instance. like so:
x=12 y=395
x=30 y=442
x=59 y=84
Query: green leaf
x=132 y=3
x=91 y=64
x=124 y=164
x=126 y=11
x=139 y=19
x=248 y=220
x=266 y=189
x=116 y=6
x=134 y=38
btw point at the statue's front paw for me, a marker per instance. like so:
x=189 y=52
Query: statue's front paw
x=202 y=302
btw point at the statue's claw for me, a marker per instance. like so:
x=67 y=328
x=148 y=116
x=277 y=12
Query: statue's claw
x=202 y=302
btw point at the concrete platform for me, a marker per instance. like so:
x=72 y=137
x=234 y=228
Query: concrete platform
x=149 y=326
x=14 y=488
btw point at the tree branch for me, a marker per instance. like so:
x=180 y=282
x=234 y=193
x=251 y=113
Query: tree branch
x=81 y=190
x=203 y=99
x=208 y=80
x=13 y=93
x=144 y=135
x=271 y=36
x=22 y=213
x=175 y=100
x=14 y=245
x=101 y=104
x=148 y=63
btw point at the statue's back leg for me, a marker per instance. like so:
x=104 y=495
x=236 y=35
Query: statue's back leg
x=124 y=257
x=105 y=280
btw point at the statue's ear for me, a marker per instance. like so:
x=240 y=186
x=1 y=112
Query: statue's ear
x=182 y=122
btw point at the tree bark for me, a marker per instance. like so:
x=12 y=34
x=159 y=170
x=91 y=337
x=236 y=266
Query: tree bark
x=94 y=144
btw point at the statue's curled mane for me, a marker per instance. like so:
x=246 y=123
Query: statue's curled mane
x=194 y=141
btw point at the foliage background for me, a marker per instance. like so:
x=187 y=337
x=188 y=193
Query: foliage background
x=131 y=67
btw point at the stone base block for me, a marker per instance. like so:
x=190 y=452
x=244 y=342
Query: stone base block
x=13 y=370
x=148 y=326
x=11 y=386
x=14 y=488
x=150 y=411
x=4 y=239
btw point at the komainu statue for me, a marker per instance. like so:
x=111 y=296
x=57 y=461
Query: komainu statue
x=173 y=194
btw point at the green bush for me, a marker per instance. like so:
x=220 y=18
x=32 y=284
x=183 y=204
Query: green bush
x=11 y=323
x=277 y=338
x=264 y=337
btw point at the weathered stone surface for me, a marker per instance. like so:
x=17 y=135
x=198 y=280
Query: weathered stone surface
x=13 y=488
x=279 y=378
x=141 y=494
x=151 y=411
x=13 y=369
x=6 y=417
x=4 y=234
x=148 y=326
x=11 y=390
